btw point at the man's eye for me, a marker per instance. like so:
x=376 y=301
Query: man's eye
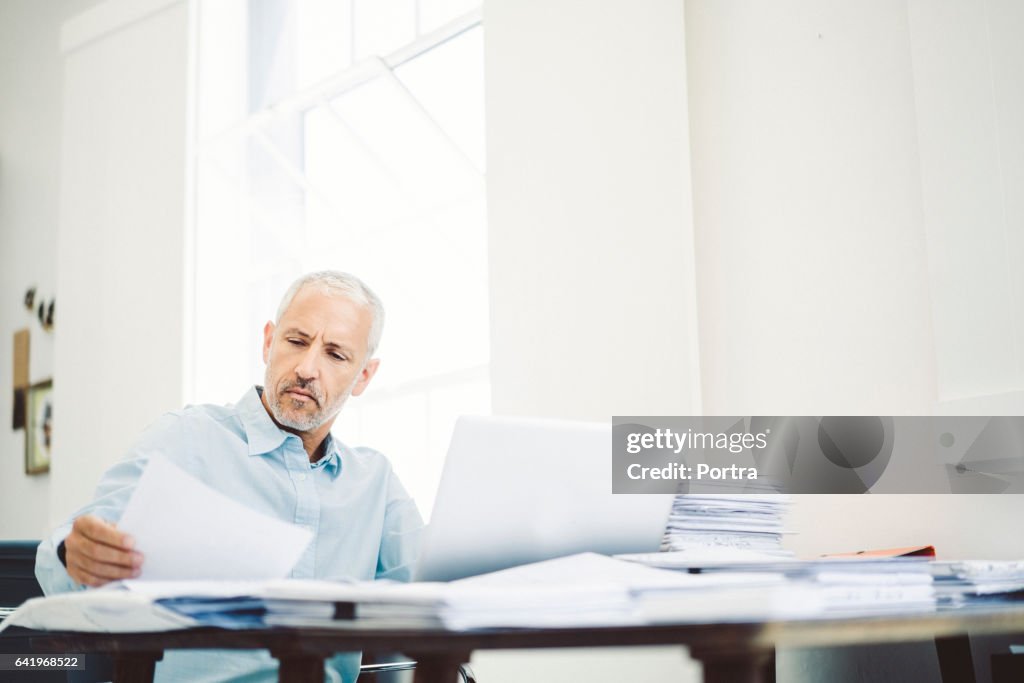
x=297 y=342
x=336 y=356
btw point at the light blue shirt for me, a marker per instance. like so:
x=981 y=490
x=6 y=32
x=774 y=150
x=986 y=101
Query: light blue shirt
x=364 y=523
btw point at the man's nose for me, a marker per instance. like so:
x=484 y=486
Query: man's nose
x=307 y=367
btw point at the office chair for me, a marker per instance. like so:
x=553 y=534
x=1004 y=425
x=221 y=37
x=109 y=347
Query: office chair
x=18 y=584
x=465 y=673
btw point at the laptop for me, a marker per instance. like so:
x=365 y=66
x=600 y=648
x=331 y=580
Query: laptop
x=518 y=490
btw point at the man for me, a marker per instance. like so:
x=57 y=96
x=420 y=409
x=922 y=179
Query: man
x=274 y=452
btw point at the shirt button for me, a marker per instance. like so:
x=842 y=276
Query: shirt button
x=302 y=477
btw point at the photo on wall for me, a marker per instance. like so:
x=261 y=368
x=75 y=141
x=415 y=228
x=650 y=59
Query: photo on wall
x=39 y=428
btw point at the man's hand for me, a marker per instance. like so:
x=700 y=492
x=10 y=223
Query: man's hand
x=98 y=553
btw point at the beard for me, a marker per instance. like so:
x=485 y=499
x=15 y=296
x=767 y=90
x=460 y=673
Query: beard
x=288 y=410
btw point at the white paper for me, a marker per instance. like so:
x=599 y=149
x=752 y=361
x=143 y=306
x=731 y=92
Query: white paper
x=158 y=590
x=738 y=603
x=423 y=593
x=579 y=590
x=701 y=557
x=96 y=610
x=591 y=568
x=186 y=530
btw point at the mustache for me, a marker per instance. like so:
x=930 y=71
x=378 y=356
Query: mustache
x=308 y=387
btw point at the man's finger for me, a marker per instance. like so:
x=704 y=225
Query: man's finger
x=104 y=572
x=99 y=530
x=102 y=553
x=83 y=576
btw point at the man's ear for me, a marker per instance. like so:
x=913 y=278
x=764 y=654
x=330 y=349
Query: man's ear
x=365 y=376
x=268 y=337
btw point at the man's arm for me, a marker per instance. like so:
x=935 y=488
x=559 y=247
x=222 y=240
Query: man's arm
x=402 y=533
x=95 y=551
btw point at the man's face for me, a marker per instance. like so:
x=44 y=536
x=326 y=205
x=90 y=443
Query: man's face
x=316 y=358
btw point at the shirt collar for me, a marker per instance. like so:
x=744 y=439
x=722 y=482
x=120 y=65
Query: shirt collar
x=264 y=435
x=332 y=455
x=261 y=432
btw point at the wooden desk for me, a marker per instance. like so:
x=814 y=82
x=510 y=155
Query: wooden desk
x=729 y=652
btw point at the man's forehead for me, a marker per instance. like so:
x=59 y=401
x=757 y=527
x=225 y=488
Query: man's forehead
x=313 y=310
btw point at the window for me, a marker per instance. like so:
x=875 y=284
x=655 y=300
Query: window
x=346 y=135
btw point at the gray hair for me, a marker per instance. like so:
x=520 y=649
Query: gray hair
x=345 y=284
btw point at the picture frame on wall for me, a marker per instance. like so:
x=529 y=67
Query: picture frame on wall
x=39 y=428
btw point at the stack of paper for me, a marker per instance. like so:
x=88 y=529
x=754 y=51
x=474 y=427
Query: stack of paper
x=815 y=588
x=708 y=523
x=633 y=585
x=227 y=604
x=104 y=611
x=964 y=582
x=579 y=590
x=868 y=593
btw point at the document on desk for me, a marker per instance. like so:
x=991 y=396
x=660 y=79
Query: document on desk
x=961 y=582
x=586 y=589
x=698 y=558
x=97 y=610
x=592 y=568
x=578 y=590
x=211 y=536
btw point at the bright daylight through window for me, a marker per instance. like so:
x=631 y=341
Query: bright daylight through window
x=346 y=135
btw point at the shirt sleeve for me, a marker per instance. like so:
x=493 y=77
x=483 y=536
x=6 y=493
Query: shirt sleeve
x=112 y=494
x=401 y=535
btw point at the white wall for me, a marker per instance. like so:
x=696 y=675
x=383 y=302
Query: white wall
x=589 y=210
x=589 y=222
x=30 y=105
x=120 y=252
x=968 y=68
x=92 y=170
x=854 y=169
x=807 y=183
x=819 y=192
x=807 y=204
